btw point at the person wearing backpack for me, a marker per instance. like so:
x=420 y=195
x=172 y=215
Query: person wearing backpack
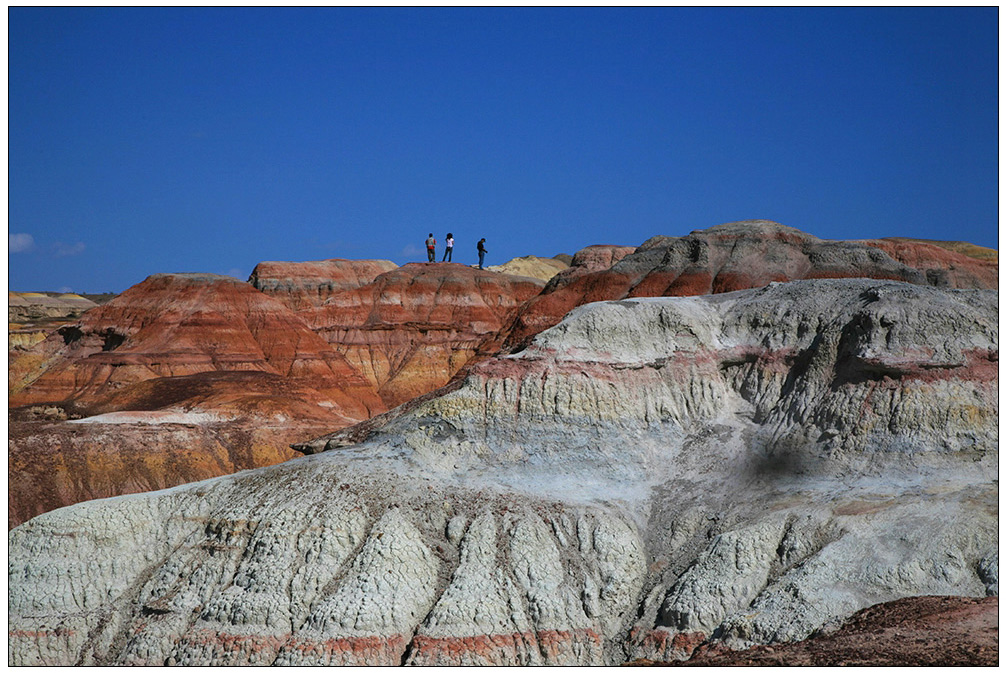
x=482 y=252
x=449 y=248
x=431 y=248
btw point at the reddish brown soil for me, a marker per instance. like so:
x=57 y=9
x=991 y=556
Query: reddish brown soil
x=919 y=631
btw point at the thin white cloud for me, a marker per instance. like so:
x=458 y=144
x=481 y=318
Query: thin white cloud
x=411 y=251
x=20 y=242
x=64 y=250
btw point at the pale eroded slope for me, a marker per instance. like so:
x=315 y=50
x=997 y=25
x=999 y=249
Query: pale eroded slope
x=648 y=474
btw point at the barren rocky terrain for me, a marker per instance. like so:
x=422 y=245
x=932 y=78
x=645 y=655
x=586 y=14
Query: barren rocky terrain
x=32 y=316
x=919 y=631
x=207 y=363
x=651 y=478
x=742 y=255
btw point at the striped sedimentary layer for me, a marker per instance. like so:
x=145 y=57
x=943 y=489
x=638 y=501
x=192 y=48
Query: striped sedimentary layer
x=649 y=475
x=741 y=255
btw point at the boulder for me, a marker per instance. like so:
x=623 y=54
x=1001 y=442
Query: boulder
x=649 y=476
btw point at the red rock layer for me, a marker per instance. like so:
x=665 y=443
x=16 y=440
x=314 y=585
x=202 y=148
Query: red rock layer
x=510 y=649
x=205 y=375
x=943 y=267
x=302 y=285
x=413 y=328
x=180 y=324
x=549 y=647
x=739 y=256
x=52 y=464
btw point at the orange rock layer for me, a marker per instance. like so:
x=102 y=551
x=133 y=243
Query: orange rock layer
x=412 y=329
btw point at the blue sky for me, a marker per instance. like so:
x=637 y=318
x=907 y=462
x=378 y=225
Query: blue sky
x=199 y=139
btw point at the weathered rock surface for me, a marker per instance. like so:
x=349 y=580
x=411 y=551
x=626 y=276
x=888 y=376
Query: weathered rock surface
x=918 y=631
x=181 y=324
x=962 y=247
x=542 y=268
x=302 y=285
x=944 y=266
x=28 y=306
x=411 y=329
x=182 y=377
x=649 y=475
x=32 y=316
x=53 y=463
x=743 y=255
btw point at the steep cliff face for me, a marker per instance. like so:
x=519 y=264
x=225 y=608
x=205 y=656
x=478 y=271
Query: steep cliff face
x=646 y=476
x=743 y=255
x=411 y=329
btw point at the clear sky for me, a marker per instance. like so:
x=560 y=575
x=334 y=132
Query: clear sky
x=199 y=139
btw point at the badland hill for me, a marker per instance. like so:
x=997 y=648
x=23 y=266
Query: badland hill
x=190 y=376
x=743 y=255
x=647 y=477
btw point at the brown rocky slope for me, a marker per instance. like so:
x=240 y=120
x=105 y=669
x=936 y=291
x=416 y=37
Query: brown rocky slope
x=917 y=631
x=301 y=285
x=206 y=362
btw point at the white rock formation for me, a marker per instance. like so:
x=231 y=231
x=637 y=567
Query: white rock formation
x=747 y=467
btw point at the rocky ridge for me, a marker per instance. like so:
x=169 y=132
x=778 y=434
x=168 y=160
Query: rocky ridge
x=32 y=316
x=301 y=285
x=649 y=475
x=413 y=328
x=737 y=256
x=28 y=306
x=184 y=324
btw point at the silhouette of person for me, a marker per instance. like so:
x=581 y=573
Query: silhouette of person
x=482 y=252
x=449 y=250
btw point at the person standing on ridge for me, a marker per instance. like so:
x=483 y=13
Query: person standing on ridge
x=449 y=249
x=482 y=252
x=431 y=248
